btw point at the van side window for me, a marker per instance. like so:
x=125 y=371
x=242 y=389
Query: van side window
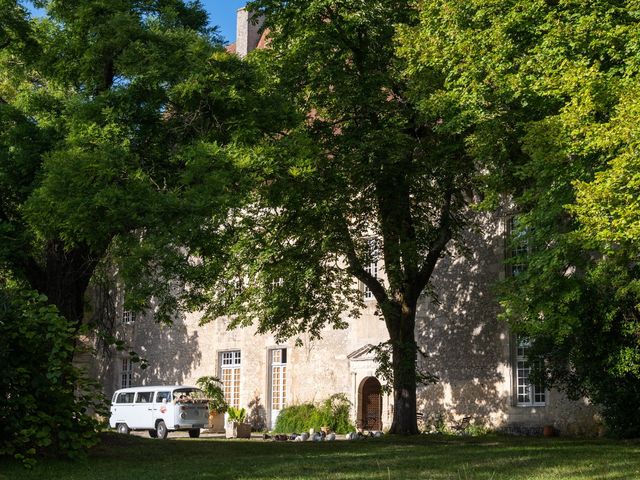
x=144 y=397
x=163 y=396
x=125 y=397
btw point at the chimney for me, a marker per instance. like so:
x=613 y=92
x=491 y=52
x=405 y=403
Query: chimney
x=247 y=33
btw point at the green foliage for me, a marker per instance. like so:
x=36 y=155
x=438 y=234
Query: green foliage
x=212 y=388
x=236 y=414
x=15 y=29
x=114 y=118
x=46 y=405
x=296 y=418
x=113 y=148
x=333 y=412
x=557 y=83
x=588 y=336
x=608 y=206
x=365 y=167
x=474 y=430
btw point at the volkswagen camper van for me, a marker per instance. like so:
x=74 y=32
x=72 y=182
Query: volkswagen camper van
x=159 y=410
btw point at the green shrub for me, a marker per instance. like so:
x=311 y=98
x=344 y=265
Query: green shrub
x=295 y=418
x=236 y=414
x=333 y=412
x=474 y=430
x=212 y=388
x=45 y=403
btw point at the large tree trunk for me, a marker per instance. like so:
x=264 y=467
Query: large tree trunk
x=67 y=277
x=404 y=350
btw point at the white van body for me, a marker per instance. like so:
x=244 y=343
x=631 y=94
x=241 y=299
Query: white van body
x=159 y=409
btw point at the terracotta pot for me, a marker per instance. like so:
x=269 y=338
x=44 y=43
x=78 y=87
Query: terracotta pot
x=549 y=431
x=216 y=422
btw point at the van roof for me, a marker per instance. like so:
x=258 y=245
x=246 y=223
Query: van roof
x=147 y=388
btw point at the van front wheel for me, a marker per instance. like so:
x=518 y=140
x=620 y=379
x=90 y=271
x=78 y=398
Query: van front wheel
x=123 y=428
x=161 y=430
x=195 y=433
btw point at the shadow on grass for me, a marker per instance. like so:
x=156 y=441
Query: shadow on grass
x=423 y=457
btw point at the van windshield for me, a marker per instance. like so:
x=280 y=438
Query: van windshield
x=188 y=395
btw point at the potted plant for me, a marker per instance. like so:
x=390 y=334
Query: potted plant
x=212 y=388
x=236 y=426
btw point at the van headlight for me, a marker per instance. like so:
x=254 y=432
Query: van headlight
x=183 y=415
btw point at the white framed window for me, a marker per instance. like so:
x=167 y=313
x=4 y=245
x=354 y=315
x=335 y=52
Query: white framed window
x=126 y=373
x=128 y=317
x=275 y=284
x=278 y=378
x=518 y=248
x=277 y=382
x=230 y=369
x=528 y=394
x=371 y=268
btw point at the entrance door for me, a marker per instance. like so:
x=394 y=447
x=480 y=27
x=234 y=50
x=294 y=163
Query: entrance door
x=371 y=404
x=278 y=390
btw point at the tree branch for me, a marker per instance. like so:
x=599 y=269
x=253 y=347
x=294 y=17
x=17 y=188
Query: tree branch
x=356 y=268
x=436 y=247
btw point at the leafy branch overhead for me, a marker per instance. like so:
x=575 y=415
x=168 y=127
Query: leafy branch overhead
x=123 y=127
x=368 y=170
x=564 y=77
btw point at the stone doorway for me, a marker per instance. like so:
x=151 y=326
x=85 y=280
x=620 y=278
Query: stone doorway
x=370 y=404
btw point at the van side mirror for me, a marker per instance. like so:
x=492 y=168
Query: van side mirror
x=164 y=400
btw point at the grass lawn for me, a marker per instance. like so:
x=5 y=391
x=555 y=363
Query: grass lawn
x=425 y=457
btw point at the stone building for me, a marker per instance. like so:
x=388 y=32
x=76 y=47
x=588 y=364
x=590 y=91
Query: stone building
x=481 y=367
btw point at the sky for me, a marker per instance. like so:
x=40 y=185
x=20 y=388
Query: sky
x=223 y=14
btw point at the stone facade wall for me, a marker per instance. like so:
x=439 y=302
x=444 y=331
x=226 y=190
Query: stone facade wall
x=462 y=340
x=473 y=353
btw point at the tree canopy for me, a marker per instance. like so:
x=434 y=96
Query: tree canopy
x=565 y=75
x=118 y=126
x=371 y=167
x=114 y=130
